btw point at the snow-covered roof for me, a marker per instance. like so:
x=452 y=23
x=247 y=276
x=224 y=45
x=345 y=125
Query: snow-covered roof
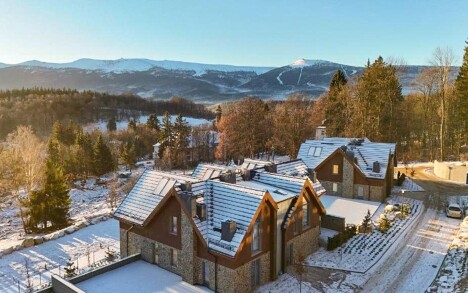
x=293 y=168
x=314 y=152
x=253 y=164
x=226 y=201
x=148 y=193
x=206 y=171
x=278 y=194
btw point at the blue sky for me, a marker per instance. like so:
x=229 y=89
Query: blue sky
x=262 y=33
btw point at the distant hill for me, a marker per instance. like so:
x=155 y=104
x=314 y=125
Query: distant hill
x=208 y=83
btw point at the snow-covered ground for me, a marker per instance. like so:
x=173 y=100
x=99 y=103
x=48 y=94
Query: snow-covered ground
x=453 y=275
x=364 y=250
x=92 y=240
x=123 y=124
x=88 y=201
x=140 y=277
x=408 y=185
x=353 y=210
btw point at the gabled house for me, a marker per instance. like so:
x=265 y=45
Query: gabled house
x=352 y=168
x=227 y=236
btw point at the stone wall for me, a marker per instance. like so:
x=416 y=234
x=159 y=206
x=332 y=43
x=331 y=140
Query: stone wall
x=188 y=264
x=333 y=223
x=348 y=179
x=305 y=244
x=377 y=193
x=328 y=185
x=365 y=191
x=240 y=279
x=148 y=249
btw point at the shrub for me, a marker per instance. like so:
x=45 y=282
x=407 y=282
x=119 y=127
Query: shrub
x=341 y=238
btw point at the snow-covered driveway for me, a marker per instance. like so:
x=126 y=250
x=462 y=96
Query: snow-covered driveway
x=416 y=262
x=56 y=252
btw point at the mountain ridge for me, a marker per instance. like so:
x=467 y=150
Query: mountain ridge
x=207 y=83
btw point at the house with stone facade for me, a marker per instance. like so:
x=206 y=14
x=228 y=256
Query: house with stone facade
x=352 y=168
x=232 y=232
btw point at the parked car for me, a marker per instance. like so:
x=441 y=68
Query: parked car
x=453 y=210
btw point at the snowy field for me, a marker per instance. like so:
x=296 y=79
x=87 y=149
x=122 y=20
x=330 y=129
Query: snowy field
x=92 y=240
x=123 y=124
x=88 y=201
x=140 y=277
x=353 y=210
x=364 y=250
x=408 y=185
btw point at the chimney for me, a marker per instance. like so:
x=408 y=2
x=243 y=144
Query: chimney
x=313 y=176
x=320 y=132
x=376 y=167
x=271 y=168
x=190 y=202
x=228 y=229
x=246 y=174
x=201 y=211
x=228 y=177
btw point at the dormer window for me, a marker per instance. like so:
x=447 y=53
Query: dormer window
x=256 y=236
x=173 y=228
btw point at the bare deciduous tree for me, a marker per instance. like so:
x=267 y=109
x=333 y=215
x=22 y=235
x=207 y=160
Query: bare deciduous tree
x=442 y=60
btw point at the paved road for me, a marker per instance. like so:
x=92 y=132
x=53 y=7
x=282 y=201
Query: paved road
x=416 y=262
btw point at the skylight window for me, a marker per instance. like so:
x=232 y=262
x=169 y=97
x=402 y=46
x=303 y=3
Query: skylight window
x=317 y=152
x=161 y=185
x=311 y=151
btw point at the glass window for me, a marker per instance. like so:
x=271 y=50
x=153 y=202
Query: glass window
x=336 y=169
x=156 y=253
x=206 y=273
x=174 y=225
x=256 y=273
x=317 y=152
x=305 y=213
x=294 y=223
x=335 y=187
x=173 y=257
x=311 y=151
x=256 y=235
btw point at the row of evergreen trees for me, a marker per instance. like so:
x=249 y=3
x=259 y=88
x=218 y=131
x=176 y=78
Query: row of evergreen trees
x=78 y=152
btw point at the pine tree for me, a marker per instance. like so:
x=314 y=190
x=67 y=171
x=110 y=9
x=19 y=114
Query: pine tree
x=57 y=132
x=166 y=135
x=335 y=107
x=103 y=159
x=127 y=155
x=461 y=85
x=366 y=222
x=57 y=193
x=153 y=122
x=181 y=132
x=111 y=125
x=377 y=103
x=132 y=125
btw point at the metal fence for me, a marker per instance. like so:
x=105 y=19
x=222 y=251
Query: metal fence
x=37 y=278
